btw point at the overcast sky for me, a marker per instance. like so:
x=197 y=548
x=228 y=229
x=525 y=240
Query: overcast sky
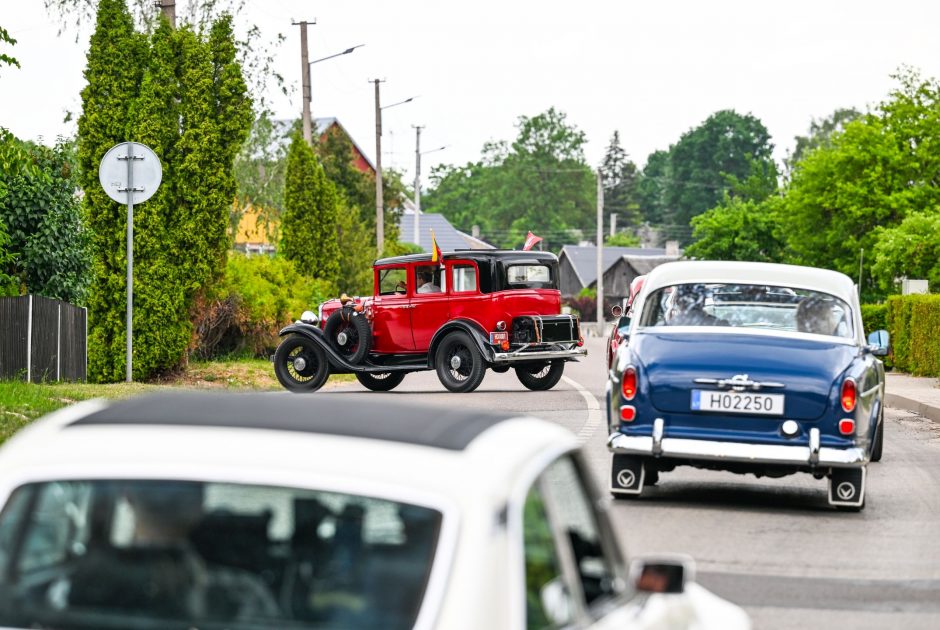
x=651 y=70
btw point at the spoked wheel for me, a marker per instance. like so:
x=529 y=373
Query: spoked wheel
x=380 y=381
x=349 y=334
x=459 y=363
x=300 y=364
x=541 y=377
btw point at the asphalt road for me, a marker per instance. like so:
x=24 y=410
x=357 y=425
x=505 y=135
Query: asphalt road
x=773 y=546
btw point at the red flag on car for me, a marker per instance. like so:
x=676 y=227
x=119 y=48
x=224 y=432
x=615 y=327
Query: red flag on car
x=435 y=250
x=530 y=241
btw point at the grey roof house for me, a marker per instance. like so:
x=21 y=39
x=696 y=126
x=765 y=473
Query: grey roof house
x=578 y=267
x=448 y=237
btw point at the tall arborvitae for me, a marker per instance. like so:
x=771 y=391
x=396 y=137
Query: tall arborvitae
x=189 y=103
x=161 y=317
x=308 y=227
x=116 y=59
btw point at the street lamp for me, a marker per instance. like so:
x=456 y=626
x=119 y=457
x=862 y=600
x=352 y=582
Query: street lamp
x=308 y=90
x=379 y=202
x=418 y=154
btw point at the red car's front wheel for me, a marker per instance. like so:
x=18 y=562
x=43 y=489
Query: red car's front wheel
x=459 y=363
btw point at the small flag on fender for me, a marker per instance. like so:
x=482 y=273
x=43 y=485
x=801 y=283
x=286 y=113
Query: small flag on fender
x=435 y=250
x=530 y=241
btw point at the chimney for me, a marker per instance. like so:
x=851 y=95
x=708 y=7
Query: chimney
x=672 y=248
x=475 y=231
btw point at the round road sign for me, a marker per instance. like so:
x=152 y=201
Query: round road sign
x=114 y=177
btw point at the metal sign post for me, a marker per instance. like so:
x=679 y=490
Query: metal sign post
x=120 y=167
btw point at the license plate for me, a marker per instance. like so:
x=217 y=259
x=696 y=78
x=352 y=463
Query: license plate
x=737 y=402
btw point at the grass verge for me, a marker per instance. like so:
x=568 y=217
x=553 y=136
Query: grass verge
x=21 y=403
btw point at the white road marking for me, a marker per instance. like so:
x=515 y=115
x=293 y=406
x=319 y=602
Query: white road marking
x=593 y=409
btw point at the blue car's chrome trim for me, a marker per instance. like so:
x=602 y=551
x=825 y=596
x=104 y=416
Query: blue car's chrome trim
x=737 y=451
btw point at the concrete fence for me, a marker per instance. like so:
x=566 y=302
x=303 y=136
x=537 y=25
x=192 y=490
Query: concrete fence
x=42 y=339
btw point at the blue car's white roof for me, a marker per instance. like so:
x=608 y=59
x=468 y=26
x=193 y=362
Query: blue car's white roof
x=794 y=276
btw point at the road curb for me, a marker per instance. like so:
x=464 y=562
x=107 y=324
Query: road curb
x=898 y=401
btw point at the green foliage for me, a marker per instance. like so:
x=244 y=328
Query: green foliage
x=619 y=175
x=47 y=248
x=913 y=321
x=739 y=230
x=5 y=59
x=401 y=248
x=652 y=187
x=259 y=296
x=911 y=249
x=623 y=239
x=308 y=227
x=821 y=133
x=187 y=100
x=874 y=317
x=726 y=148
x=9 y=283
x=540 y=182
x=874 y=174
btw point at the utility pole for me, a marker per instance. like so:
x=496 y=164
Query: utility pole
x=379 y=204
x=305 y=80
x=168 y=7
x=418 y=129
x=613 y=223
x=600 y=254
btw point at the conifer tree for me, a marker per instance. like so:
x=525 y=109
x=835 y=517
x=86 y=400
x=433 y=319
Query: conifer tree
x=308 y=227
x=116 y=58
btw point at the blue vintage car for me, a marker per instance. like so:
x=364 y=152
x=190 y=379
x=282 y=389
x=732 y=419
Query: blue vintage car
x=751 y=368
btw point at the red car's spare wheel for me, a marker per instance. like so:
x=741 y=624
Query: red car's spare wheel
x=349 y=334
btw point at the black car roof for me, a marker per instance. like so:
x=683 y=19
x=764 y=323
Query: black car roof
x=474 y=254
x=348 y=415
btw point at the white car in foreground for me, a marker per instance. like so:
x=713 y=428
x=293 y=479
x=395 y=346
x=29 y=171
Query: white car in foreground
x=272 y=511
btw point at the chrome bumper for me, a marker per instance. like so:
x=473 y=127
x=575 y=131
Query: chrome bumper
x=812 y=455
x=515 y=357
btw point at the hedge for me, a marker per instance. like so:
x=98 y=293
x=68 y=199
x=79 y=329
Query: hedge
x=914 y=324
x=874 y=317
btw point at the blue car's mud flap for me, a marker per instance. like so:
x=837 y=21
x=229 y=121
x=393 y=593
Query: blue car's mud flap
x=847 y=487
x=627 y=475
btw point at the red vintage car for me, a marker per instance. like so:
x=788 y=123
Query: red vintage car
x=622 y=314
x=473 y=310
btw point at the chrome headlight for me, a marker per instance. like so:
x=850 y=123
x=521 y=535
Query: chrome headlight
x=309 y=317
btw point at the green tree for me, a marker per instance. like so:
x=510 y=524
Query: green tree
x=114 y=70
x=725 y=145
x=622 y=239
x=308 y=226
x=739 y=229
x=540 y=182
x=821 y=132
x=189 y=103
x=259 y=172
x=620 y=179
x=652 y=186
x=48 y=246
x=912 y=249
x=5 y=59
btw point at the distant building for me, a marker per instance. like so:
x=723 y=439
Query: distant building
x=448 y=237
x=578 y=268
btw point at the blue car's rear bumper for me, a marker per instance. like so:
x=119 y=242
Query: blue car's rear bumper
x=811 y=455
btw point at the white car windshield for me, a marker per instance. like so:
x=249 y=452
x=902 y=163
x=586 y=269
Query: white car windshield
x=748 y=306
x=157 y=554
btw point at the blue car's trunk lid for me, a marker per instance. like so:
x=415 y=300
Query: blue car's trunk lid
x=807 y=368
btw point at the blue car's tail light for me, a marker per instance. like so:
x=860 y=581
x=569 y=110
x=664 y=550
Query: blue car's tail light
x=849 y=395
x=846 y=426
x=628 y=413
x=628 y=383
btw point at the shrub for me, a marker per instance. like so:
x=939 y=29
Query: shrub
x=913 y=321
x=874 y=317
x=258 y=296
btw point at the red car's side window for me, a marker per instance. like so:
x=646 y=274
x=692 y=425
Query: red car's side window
x=465 y=278
x=392 y=281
